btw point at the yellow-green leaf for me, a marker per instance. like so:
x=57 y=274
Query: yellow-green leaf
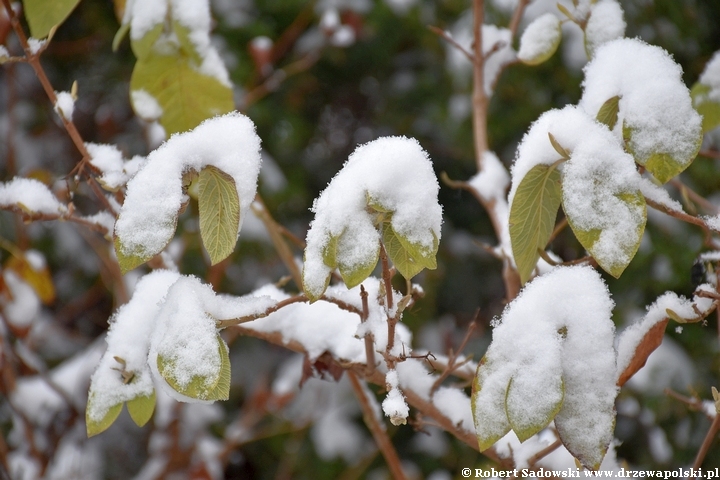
x=141 y=408
x=608 y=113
x=406 y=264
x=353 y=275
x=562 y=151
x=705 y=106
x=215 y=387
x=119 y=36
x=98 y=426
x=186 y=45
x=526 y=424
x=329 y=251
x=129 y=261
x=187 y=97
x=532 y=216
x=43 y=15
x=662 y=165
x=488 y=433
x=219 y=208
x=142 y=47
x=615 y=260
x=540 y=40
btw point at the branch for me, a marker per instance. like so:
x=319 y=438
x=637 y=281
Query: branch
x=480 y=100
x=452 y=363
x=707 y=443
x=448 y=38
x=517 y=16
x=378 y=432
x=369 y=348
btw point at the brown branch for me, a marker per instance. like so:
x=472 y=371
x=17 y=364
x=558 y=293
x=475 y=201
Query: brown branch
x=517 y=16
x=709 y=153
x=480 y=99
x=679 y=215
x=448 y=38
x=707 y=443
x=452 y=363
x=278 y=76
x=378 y=432
x=368 y=338
x=544 y=452
x=694 y=196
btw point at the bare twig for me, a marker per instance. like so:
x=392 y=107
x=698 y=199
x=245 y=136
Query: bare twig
x=544 y=452
x=694 y=196
x=448 y=38
x=517 y=16
x=369 y=349
x=378 y=432
x=453 y=363
x=480 y=99
x=276 y=235
x=707 y=443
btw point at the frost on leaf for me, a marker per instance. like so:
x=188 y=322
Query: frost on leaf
x=540 y=40
x=656 y=120
x=155 y=194
x=706 y=94
x=386 y=190
x=552 y=357
x=123 y=374
x=600 y=191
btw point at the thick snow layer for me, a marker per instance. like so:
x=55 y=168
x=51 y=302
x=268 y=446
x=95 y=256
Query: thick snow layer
x=654 y=102
x=109 y=160
x=394 y=404
x=393 y=172
x=129 y=339
x=154 y=195
x=30 y=195
x=711 y=77
x=606 y=23
x=555 y=338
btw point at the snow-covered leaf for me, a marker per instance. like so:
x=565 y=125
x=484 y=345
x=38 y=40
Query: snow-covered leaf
x=98 y=426
x=143 y=46
x=129 y=260
x=608 y=113
x=616 y=257
x=219 y=208
x=141 y=408
x=650 y=341
x=532 y=216
x=186 y=44
x=540 y=39
x=215 y=386
x=187 y=97
x=606 y=23
x=43 y=15
x=656 y=120
x=552 y=355
x=706 y=105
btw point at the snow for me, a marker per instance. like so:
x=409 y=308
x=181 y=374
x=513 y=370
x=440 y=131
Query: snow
x=129 y=339
x=541 y=37
x=394 y=404
x=154 y=195
x=393 y=172
x=711 y=77
x=65 y=105
x=145 y=105
x=144 y=15
x=109 y=160
x=659 y=195
x=4 y=54
x=36 y=45
x=492 y=181
x=31 y=196
x=654 y=102
x=530 y=348
x=186 y=335
x=606 y=23
x=23 y=306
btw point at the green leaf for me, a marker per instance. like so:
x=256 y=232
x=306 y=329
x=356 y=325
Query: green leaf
x=566 y=12
x=662 y=165
x=142 y=47
x=186 y=96
x=129 y=261
x=219 y=208
x=186 y=45
x=353 y=275
x=608 y=260
x=141 y=408
x=215 y=387
x=98 y=426
x=608 y=113
x=708 y=108
x=329 y=252
x=562 y=151
x=119 y=36
x=551 y=33
x=488 y=430
x=532 y=216
x=43 y=15
x=526 y=424
x=409 y=258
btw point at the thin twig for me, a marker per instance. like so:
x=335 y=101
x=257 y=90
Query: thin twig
x=452 y=363
x=448 y=38
x=378 y=432
x=368 y=338
x=709 y=153
x=517 y=16
x=480 y=99
x=694 y=196
x=707 y=443
x=544 y=452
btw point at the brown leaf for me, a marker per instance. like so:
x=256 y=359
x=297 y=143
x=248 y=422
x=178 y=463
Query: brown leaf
x=324 y=367
x=652 y=339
